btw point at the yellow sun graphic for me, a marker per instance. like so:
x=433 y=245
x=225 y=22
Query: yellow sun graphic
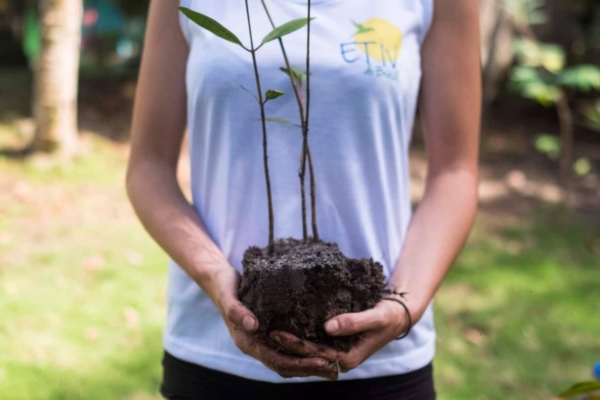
x=386 y=39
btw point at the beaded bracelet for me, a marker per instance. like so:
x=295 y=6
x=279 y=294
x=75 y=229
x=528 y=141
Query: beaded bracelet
x=405 y=334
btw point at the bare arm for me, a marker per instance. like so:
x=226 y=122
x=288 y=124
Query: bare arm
x=159 y=120
x=451 y=110
x=450 y=105
x=158 y=128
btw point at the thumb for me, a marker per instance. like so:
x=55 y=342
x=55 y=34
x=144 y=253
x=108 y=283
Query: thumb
x=351 y=323
x=238 y=313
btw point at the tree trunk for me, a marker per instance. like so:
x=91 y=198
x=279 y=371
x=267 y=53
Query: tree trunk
x=56 y=78
x=496 y=47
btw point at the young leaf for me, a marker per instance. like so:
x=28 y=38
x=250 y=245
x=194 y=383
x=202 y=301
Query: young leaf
x=285 y=29
x=583 y=77
x=580 y=388
x=248 y=91
x=531 y=84
x=211 y=25
x=273 y=94
x=298 y=73
x=280 y=121
x=547 y=144
x=582 y=166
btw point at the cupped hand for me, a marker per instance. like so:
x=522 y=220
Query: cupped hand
x=243 y=324
x=376 y=327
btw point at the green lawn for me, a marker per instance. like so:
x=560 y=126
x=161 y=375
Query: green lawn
x=518 y=314
x=82 y=294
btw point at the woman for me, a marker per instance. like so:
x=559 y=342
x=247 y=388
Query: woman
x=370 y=61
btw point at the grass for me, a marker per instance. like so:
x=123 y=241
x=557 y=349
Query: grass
x=82 y=292
x=82 y=286
x=517 y=316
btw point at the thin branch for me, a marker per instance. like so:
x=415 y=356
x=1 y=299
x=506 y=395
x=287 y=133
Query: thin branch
x=249 y=92
x=245 y=48
x=308 y=67
x=565 y=115
x=313 y=199
x=264 y=130
x=302 y=122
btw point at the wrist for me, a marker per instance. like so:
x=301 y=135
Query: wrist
x=401 y=315
x=416 y=305
x=208 y=278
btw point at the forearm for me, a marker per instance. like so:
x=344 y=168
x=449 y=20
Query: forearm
x=435 y=236
x=173 y=222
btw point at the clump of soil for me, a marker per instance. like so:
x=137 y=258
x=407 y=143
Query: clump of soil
x=303 y=284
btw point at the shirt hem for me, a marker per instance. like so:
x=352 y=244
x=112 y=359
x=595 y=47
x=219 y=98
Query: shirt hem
x=247 y=367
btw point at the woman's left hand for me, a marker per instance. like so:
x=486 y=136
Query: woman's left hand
x=377 y=327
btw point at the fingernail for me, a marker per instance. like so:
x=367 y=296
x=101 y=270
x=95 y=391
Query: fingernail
x=249 y=323
x=322 y=363
x=332 y=326
x=276 y=337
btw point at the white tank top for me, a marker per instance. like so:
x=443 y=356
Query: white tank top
x=366 y=72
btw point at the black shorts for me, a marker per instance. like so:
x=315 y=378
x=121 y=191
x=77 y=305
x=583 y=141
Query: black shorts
x=186 y=381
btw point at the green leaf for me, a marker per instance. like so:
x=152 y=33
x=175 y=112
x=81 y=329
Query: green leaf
x=536 y=54
x=582 y=77
x=280 y=121
x=248 y=91
x=526 y=12
x=591 y=114
x=582 y=166
x=580 y=388
x=547 y=144
x=531 y=84
x=552 y=57
x=298 y=73
x=273 y=94
x=211 y=25
x=285 y=29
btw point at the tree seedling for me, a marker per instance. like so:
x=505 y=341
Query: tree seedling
x=265 y=286
x=298 y=77
x=277 y=33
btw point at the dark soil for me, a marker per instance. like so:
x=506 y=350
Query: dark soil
x=304 y=284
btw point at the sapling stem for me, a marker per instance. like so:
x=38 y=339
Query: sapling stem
x=271 y=246
x=220 y=31
x=306 y=153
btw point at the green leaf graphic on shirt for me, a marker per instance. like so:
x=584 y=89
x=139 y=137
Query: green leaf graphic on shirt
x=285 y=29
x=361 y=29
x=211 y=25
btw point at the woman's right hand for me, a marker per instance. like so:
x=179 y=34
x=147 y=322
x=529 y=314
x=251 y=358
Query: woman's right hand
x=242 y=325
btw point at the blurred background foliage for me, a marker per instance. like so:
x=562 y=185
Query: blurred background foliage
x=82 y=287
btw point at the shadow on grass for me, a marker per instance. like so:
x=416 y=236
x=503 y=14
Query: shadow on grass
x=16 y=154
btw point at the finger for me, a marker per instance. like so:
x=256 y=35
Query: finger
x=238 y=313
x=288 y=366
x=351 y=323
x=370 y=343
x=303 y=347
x=357 y=354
